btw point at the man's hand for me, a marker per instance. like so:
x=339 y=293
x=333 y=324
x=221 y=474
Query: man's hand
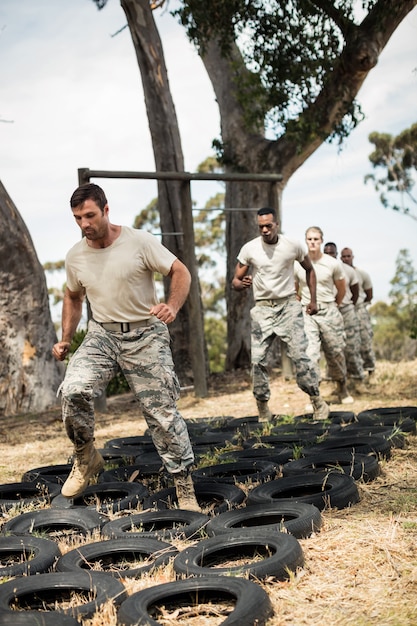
x=164 y=312
x=312 y=308
x=61 y=350
x=246 y=282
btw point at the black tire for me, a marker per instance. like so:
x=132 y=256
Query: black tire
x=281 y=553
x=297 y=518
x=251 y=603
x=48 y=473
x=138 y=441
x=283 y=440
x=370 y=444
x=37 y=592
x=212 y=440
x=240 y=472
x=168 y=524
x=27 y=555
x=359 y=466
x=389 y=433
x=37 y=618
x=404 y=424
x=130 y=473
x=395 y=412
x=24 y=494
x=273 y=455
x=106 y=497
x=334 y=490
x=214 y=497
x=56 y=522
x=146 y=554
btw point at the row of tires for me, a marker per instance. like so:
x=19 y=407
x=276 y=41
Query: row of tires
x=242 y=529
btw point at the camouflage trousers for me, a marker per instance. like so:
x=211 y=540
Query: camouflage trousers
x=284 y=319
x=325 y=331
x=353 y=356
x=366 y=333
x=145 y=358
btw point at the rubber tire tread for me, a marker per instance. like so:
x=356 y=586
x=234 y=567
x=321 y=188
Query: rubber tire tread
x=25 y=494
x=106 y=588
x=359 y=466
x=168 y=524
x=223 y=495
x=253 y=605
x=286 y=556
x=335 y=490
x=47 y=520
x=45 y=552
x=119 y=495
x=376 y=444
x=238 y=472
x=300 y=519
x=85 y=556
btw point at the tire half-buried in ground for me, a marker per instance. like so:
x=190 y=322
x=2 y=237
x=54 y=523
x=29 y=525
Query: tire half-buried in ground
x=247 y=553
x=250 y=604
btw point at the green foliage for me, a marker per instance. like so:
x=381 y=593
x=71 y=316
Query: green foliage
x=395 y=324
x=395 y=158
x=288 y=49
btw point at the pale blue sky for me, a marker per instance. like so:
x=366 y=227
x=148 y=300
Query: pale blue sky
x=74 y=96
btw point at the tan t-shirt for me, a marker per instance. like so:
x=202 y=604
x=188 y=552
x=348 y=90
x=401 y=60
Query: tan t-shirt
x=351 y=279
x=272 y=266
x=364 y=283
x=119 y=280
x=327 y=271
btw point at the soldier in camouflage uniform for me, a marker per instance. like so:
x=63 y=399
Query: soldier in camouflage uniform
x=354 y=364
x=277 y=312
x=325 y=331
x=114 y=267
x=361 y=307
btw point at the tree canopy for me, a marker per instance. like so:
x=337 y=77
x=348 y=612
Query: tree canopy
x=395 y=158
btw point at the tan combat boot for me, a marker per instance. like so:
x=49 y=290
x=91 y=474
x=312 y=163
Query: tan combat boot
x=344 y=395
x=185 y=492
x=320 y=408
x=264 y=413
x=87 y=462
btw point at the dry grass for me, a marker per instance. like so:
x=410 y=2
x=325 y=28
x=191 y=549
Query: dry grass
x=360 y=570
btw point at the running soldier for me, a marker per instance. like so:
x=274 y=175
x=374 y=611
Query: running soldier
x=347 y=308
x=365 y=324
x=325 y=330
x=113 y=266
x=277 y=312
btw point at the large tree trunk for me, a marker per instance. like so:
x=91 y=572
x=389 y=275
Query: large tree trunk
x=247 y=150
x=174 y=197
x=29 y=375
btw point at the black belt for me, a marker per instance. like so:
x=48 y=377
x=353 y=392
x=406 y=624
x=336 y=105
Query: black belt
x=125 y=327
x=273 y=301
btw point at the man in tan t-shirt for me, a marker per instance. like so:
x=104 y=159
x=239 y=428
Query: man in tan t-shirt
x=114 y=267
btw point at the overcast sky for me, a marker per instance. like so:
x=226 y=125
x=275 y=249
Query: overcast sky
x=71 y=97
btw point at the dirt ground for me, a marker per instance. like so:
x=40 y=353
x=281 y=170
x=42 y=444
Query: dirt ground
x=360 y=570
